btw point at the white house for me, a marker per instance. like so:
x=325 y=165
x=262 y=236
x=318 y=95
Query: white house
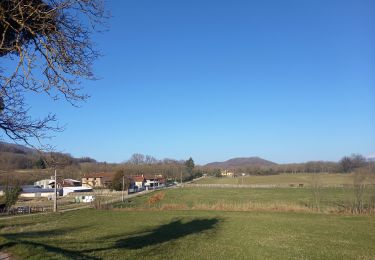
x=139 y=182
x=157 y=182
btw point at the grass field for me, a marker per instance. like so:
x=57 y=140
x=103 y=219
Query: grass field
x=324 y=179
x=201 y=223
x=92 y=234
x=279 y=199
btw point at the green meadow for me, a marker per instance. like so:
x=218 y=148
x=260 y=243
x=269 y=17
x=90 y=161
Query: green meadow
x=248 y=199
x=187 y=234
x=315 y=221
x=324 y=179
x=203 y=223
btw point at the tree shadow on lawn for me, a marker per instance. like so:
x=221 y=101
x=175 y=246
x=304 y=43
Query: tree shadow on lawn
x=161 y=234
x=25 y=238
x=168 y=232
x=6 y=226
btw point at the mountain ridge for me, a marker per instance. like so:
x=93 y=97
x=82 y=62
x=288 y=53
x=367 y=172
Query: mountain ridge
x=242 y=162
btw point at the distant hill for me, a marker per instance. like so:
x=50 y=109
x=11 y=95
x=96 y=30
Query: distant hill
x=15 y=148
x=241 y=163
x=14 y=156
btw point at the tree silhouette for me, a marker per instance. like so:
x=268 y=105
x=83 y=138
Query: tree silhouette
x=48 y=46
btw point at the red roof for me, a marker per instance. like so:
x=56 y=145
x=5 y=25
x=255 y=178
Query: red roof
x=154 y=176
x=139 y=178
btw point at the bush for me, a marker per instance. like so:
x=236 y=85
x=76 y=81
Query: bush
x=11 y=194
x=155 y=198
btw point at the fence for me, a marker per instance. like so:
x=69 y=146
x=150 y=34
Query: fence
x=105 y=197
x=230 y=185
x=25 y=210
x=291 y=185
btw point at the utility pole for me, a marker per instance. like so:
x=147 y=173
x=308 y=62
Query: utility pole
x=123 y=187
x=55 y=197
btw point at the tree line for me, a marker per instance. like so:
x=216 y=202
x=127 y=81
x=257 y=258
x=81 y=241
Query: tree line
x=138 y=164
x=346 y=165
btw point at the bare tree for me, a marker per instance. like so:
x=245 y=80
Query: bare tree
x=137 y=159
x=48 y=48
x=150 y=159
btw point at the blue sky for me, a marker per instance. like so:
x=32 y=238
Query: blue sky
x=289 y=81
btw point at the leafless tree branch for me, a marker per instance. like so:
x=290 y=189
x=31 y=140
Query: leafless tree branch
x=48 y=44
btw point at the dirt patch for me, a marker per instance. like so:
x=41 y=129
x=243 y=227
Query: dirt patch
x=5 y=256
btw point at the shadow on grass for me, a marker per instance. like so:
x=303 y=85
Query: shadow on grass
x=168 y=232
x=161 y=234
x=26 y=238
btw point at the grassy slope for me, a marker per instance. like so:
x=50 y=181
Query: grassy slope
x=90 y=234
x=324 y=178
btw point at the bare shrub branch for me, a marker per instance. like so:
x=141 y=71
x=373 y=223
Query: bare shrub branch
x=49 y=49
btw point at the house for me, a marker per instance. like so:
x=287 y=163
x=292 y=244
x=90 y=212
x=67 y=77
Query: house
x=139 y=182
x=227 y=173
x=103 y=179
x=157 y=181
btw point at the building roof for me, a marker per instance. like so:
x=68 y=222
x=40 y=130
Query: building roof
x=139 y=178
x=154 y=176
x=71 y=180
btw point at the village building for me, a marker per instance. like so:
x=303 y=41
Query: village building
x=156 y=181
x=139 y=182
x=102 y=180
x=227 y=173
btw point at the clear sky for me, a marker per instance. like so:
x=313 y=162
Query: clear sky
x=289 y=81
